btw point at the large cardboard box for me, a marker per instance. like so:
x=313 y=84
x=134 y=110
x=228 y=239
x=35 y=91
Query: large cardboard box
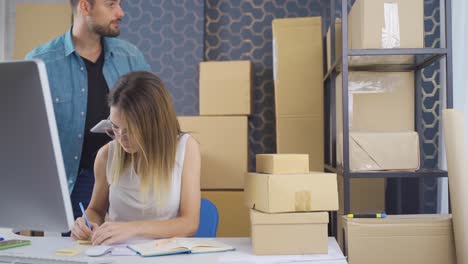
x=282 y=163
x=279 y=193
x=374 y=22
x=223 y=143
x=298 y=74
x=410 y=239
x=226 y=87
x=234 y=220
x=302 y=134
x=371 y=151
x=37 y=23
x=381 y=102
x=298 y=66
x=289 y=233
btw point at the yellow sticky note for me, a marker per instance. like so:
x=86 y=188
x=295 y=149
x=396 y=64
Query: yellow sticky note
x=84 y=242
x=67 y=252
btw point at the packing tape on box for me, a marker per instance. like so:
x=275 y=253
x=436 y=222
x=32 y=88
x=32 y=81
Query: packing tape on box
x=391 y=31
x=303 y=201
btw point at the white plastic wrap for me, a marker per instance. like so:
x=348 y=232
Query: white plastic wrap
x=391 y=30
x=365 y=82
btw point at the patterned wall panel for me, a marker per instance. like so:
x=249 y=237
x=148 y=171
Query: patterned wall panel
x=431 y=105
x=170 y=34
x=241 y=30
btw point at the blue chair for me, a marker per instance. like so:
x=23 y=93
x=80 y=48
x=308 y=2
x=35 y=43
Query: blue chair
x=209 y=218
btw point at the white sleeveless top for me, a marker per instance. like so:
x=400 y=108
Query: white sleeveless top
x=126 y=201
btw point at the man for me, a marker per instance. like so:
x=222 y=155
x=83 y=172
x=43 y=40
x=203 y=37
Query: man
x=82 y=65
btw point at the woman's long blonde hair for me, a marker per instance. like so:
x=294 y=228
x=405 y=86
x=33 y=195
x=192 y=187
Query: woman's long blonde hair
x=147 y=109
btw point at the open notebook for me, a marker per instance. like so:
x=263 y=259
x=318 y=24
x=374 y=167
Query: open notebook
x=171 y=246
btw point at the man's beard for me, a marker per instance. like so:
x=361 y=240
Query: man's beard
x=104 y=31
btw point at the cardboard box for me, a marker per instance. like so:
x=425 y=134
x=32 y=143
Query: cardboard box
x=279 y=193
x=298 y=66
x=282 y=163
x=370 y=112
x=234 y=220
x=289 y=233
x=223 y=143
x=367 y=23
x=226 y=87
x=384 y=151
x=401 y=239
x=37 y=23
x=302 y=134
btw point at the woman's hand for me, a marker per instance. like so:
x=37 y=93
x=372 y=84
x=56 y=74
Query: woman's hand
x=80 y=231
x=113 y=232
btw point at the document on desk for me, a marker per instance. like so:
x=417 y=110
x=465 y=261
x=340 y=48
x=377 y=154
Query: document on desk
x=334 y=254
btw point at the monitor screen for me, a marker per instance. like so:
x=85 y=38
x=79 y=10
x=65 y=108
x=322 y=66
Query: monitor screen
x=33 y=185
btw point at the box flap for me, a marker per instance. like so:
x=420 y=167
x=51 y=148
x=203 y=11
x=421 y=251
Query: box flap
x=384 y=151
x=259 y=218
x=398 y=225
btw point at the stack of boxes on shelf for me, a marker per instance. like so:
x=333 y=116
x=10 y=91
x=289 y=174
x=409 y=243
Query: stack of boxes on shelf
x=289 y=205
x=222 y=131
x=383 y=137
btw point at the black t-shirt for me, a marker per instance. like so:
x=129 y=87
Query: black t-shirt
x=96 y=110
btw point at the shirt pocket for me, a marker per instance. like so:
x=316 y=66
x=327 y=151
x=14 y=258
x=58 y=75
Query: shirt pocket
x=63 y=107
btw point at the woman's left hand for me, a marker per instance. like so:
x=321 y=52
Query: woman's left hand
x=113 y=232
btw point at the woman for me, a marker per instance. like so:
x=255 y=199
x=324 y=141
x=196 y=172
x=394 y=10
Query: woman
x=148 y=178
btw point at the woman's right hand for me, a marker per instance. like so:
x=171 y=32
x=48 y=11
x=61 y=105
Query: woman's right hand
x=80 y=231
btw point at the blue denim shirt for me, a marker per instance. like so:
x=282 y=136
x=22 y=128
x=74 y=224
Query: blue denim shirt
x=69 y=87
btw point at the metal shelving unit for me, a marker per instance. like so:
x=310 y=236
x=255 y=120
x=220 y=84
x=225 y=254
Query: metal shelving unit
x=417 y=59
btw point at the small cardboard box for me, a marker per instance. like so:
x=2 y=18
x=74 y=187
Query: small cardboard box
x=290 y=233
x=234 y=219
x=223 y=144
x=278 y=193
x=376 y=24
x=403 y=239
x=226 y=87
x=383 y=151
x=282 y=163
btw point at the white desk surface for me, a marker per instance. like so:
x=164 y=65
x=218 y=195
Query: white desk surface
x=46 y=246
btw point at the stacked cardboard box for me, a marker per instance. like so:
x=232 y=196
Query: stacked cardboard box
x=402 y=239
x=298 y=72
x=222 y=131
x=289 y=205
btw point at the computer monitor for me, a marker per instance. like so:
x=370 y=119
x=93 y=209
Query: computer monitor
x=33 y=185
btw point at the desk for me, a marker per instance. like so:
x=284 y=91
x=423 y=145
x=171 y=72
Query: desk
x=46 y=246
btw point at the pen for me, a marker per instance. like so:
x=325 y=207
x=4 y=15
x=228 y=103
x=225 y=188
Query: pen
x=382 y=215
x=85 y=216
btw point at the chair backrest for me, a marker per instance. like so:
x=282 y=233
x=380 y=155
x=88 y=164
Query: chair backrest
x=208 y=219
